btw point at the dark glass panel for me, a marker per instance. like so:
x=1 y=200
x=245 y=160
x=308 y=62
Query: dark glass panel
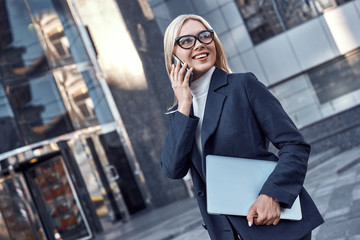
x=261 y=19
x=339 y=2
x=42 y=115
x=39 y=41
x=126 y=181
x=336 y=79
x=59 y=207
x=74 y=93
x=294 y=12
x=10 y=136
x=20 y=48
x=267 y=18
x=64 y=46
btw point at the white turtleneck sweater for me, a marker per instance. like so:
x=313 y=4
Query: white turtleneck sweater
x=199 y=90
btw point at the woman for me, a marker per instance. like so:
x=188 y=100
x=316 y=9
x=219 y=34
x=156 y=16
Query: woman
x=232 y=115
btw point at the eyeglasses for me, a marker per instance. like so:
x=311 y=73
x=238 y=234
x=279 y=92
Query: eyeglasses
x=188 y=41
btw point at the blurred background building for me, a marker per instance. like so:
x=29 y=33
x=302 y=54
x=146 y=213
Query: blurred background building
x=83 y=92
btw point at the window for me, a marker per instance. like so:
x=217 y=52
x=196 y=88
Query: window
x=39 y=109
x=321 y=92
x=298 y=99
x=43 y=66
x=267 y=18
x=336 y=79
x=10 y=136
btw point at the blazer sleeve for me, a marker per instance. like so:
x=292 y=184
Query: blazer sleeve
x=175 y=157
x=286 y=181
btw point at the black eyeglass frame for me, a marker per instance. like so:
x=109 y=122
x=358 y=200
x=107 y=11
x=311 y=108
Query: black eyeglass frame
x=177 y=40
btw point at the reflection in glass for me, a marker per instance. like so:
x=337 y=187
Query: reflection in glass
x=121 y=171
x=297 y=98
x=52 y=185
x=15 y=214
x=11 y=137
x=267 y=18
x=51 y=35
x=21 y=56
x=324 y=91
x=260 y=18
x=336 y=79
x=89 y=172
x=4 y=233
x=39 y=109
x=41 y=50
x=75 y=96
x=63 y=46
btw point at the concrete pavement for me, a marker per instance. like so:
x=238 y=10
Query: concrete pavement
x=335 y=187
x=333 y=180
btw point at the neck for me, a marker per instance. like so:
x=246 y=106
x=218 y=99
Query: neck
x=198 y=75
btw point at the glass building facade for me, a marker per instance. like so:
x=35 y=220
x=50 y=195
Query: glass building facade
x=48 y=86
x=265 y=19
x=52 y=91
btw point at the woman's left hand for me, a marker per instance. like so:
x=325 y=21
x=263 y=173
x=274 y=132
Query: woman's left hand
x=265 y=210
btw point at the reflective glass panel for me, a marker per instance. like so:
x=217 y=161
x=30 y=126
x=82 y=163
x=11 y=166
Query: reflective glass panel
x=65 y=49
x=11 y=137
x=52 y=185
x=39 y=43
x=267 y=18
x=39 y=109
x=322 y=92
x=75 y=95
x=336 y=79
x=16 y=220
x=261 y=19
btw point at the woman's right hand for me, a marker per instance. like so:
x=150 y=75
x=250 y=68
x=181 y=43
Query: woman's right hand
x=181 y=87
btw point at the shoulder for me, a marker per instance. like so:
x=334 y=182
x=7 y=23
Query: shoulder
x=242 y=78
x=234 y=81
x=249 y=86
x=247 y=76
x=246 y=80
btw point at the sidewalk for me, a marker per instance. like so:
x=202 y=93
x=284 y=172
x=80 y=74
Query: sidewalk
x=163 y=223
x=333 y=183
x=335 y=188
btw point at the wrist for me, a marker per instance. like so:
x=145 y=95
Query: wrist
x=184 y=108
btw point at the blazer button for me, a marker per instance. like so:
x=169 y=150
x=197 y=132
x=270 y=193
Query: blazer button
x=200 y=194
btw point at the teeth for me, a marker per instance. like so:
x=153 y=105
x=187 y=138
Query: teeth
x=201 y=56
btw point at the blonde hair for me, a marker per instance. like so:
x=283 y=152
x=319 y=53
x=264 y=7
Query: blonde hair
x=172 y=31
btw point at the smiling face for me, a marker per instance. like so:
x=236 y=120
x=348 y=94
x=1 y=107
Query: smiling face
x=201 y=57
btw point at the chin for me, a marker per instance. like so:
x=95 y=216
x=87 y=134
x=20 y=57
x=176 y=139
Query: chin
x=204 y=69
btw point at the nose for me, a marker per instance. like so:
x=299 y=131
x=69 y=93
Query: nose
x=198 y=45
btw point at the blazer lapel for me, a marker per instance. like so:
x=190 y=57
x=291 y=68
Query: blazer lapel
x=213 y=107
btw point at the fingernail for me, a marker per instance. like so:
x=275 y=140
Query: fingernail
x=249 y=223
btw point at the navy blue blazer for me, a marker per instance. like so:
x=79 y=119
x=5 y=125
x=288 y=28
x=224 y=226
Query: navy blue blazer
x=241 y=115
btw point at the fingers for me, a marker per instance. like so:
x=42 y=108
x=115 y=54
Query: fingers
x=187 y=76
x=266 y=209
x=251 y=215
x=277 y=220
x=270 y=219
x=177 y=73
x=172 y=73
x=181 y=88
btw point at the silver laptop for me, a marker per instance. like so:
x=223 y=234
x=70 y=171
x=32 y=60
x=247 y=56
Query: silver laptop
x=233 y=185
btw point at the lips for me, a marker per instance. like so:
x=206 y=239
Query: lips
x=201 y=56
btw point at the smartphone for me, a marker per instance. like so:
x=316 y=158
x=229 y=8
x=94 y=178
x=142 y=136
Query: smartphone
x=175 y=61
